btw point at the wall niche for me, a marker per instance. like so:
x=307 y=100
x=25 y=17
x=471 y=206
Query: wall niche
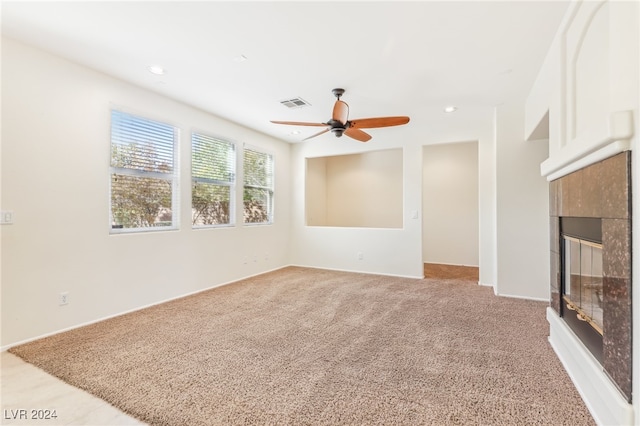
x=355 y=190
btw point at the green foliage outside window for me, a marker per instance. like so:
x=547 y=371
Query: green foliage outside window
x=213 y=164
x=142 y=172
x=142 y=177
x=139 y=202
x=258 y=187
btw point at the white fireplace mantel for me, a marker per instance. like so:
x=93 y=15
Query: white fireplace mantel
x=596 y=147
x=586 y=94
x=586 y=102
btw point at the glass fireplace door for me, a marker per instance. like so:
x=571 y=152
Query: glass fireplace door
x=583 y=280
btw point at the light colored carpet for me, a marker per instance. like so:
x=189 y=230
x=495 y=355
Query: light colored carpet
x=304 y=346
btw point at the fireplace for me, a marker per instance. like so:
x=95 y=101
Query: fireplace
x=590 y=213
x=582 y=288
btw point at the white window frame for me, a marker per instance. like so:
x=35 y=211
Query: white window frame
x=231 y=184
x=271 y=189
x=173 y=177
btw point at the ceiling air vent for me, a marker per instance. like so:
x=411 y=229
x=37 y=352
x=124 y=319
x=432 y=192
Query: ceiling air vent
x=295 y=103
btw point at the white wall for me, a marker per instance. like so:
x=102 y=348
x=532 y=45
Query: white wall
x=394 y=251
x=635 y=206
x=55 y=178
x=594 y=113
x=55 y=118
x=523 y=209
x=450 y=221
x=358 y=190
x=316 y=190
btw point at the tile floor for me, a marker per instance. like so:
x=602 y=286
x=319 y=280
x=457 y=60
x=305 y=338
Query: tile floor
x=26 y=388
x=442 y=271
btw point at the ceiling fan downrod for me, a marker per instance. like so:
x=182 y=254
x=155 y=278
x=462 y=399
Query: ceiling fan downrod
x=340 y=124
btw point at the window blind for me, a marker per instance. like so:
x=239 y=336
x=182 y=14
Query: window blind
x=141 y=144
x=213 y=166
x=143 y=173
x=212 y=159
x=258 y=169
x=258 y=186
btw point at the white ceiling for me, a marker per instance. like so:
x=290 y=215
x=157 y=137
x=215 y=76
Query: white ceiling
x=393 y=58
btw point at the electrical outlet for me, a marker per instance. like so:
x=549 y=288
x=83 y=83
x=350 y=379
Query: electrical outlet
x=360 y=255
x=64 y=298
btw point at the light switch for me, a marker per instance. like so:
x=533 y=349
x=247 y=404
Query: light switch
x=6 y=217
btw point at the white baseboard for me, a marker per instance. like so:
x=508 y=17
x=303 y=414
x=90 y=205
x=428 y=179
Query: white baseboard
x=602 y=398
x=450 y=264
x=73 y=327
x=415 y=277
x=10 y=345
x=513 y=296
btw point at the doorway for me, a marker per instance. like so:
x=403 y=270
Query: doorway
x=450 y=206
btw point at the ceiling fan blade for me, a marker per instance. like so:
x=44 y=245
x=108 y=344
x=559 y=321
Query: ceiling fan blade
x=369 y=123
x=317 y=134
x=300 y=123
x=341 y=112
x=357 y=134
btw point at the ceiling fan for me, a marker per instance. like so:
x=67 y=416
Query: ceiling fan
x=340 y=123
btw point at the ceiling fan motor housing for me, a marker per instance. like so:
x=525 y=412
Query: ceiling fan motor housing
x=340 y=123
x=337 y=128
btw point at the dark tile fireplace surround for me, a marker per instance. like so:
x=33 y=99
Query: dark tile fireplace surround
x=602 y=191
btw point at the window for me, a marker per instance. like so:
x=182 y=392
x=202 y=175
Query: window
x=143 y=174
x=213 y=176
x=258 y=187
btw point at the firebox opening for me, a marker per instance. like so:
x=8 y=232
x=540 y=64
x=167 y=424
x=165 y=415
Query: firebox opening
x=582 y=282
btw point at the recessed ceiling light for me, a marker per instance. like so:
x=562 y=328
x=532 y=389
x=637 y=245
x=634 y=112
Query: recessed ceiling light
x=450 y=108
x=295 y=132
x=240 y=58
x=156 y=69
